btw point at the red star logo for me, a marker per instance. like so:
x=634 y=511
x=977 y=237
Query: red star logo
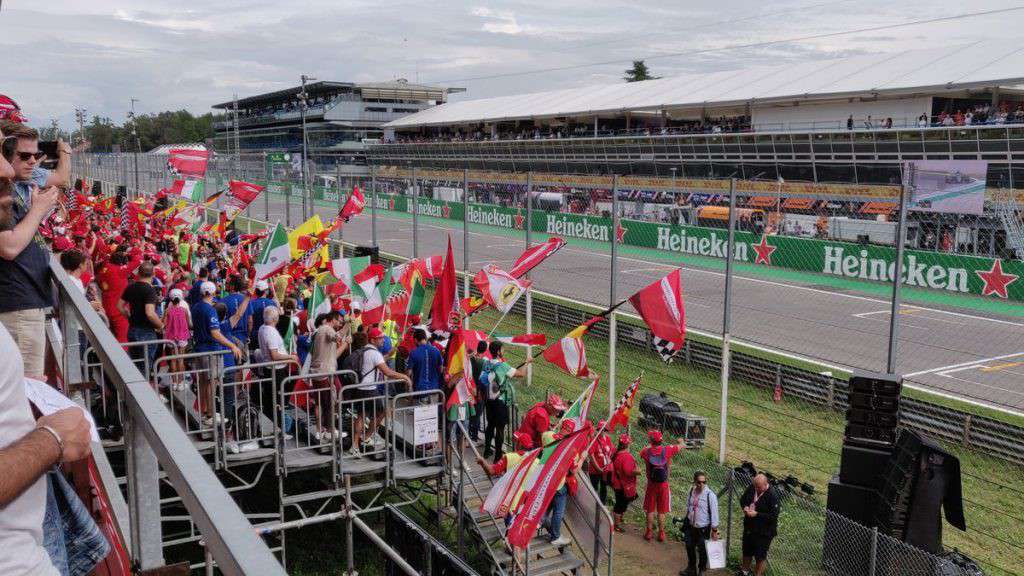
x=519 y=219
x=995 y=280
x=446 y=210
x=620 y=233
x=764 y=251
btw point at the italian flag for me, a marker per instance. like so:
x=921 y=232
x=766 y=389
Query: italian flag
x=580 y=409
x=374 y=308
x=289 y=337
x=275 y=254
x=319 y=304
x=347 y=269
x=192 y=190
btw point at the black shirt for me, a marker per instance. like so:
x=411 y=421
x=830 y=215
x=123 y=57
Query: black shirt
x=25 y=281
x=768 y=505
x=137 y=295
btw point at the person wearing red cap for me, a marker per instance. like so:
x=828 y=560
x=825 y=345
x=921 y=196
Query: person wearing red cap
x=599 y=462
x=657 y=496
x=624 y=473
x=537 y=420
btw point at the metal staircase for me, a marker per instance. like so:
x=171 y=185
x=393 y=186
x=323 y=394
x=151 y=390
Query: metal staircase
x=1009 y=212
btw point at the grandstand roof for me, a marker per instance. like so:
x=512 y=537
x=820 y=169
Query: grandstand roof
x=922 y=72
x=399 y=88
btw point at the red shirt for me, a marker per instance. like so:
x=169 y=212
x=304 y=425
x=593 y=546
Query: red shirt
x=600 y=458
x=536 y=422
x=624 y=472
x=671 y=451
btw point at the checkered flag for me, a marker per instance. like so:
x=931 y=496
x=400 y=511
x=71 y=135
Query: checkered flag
x=660 y=304
x=666 y=348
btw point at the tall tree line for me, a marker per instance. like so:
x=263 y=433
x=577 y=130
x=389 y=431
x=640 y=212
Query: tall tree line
x=170 y=127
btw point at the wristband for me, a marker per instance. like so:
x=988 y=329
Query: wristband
x=60 y=442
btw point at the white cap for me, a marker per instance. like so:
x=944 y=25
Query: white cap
x=207 y=288
x=357 y=306
x=176 y=293
x=262 y=285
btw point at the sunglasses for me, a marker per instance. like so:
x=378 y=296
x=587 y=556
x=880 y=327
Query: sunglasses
x=26 y=156
x=701 y=482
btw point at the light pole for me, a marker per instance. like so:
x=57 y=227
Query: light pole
x=80 y=118
x=303 y=105
x=138 y=142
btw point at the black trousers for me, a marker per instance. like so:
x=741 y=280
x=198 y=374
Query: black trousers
x=696 y=549
x=600 y=486
x=497 y=420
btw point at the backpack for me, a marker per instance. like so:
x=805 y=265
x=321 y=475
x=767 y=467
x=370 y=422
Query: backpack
x=659 y=465
x=355 y=363
x=489 y=378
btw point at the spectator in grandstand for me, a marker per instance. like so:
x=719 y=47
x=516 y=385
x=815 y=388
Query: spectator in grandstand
x=537 y=420
x=75 y=263
x=476 y=362
x=868 y=123
x=208 y=336
x=425 y=367
x=29 y=448
x=239 y=324
x=260 y=301
x=849 y=122
x=624 y=475
x=922 y=120
x=25 y=158
x=761 y=505
x=599 y=462
x=657 y=496
x=138 y=303
x=329 y=341
x=24 y=271
x=496 y=375
x=177 y=321
x=370 y=368
x=700 y=524
x=888 y=123
x=112 y=275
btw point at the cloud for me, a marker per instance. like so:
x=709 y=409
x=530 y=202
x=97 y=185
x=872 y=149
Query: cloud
x=499 y=22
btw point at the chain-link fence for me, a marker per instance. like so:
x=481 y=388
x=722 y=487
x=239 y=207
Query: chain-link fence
x=810 y=296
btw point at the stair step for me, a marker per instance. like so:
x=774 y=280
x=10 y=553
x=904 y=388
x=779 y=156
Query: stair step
x=307 y=496
x=565 y=562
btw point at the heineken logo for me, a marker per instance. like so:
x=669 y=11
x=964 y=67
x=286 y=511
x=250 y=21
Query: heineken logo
x=858 y=264
x=331 y=196
x=426 y=209
x=581 y=228
x=702 y=243
x=490 y=217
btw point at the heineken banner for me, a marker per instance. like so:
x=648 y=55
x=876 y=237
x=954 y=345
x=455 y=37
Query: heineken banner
x=921 y=269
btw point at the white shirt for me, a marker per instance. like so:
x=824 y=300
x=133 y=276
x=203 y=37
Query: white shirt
x=270 y=339
x=371 y=359
x=21 y=521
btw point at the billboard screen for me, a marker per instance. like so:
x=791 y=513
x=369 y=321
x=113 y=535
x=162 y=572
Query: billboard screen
x=952 y=186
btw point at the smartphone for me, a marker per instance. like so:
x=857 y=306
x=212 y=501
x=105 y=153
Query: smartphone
x=49 y=147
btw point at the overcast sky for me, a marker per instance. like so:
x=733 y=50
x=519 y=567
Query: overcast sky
x=174 y=54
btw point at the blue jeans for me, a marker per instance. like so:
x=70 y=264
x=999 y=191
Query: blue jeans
x=556 y=510
x=143 y=335
x=70 y=535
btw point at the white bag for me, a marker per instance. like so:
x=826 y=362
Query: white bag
x=716 y=553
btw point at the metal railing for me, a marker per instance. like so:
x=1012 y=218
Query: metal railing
x=154 y=441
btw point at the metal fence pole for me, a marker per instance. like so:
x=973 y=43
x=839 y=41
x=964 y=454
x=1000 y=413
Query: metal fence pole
x=341 y=204
x=731 y=480
x=901 y=232
x=415 y=216
x=266 y=193
x=727 y=319
x=529 y=291
x=613 y=294
x=462 y=501
x=465 y=239
x=349 y=536
x=873 y=559
x=288 y=204
x=373 y=205
x=143 y=482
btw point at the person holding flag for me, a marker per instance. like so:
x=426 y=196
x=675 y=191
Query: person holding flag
x=599 y=462
x=658 y=496
x=624 y=473
x=537 y=420
x=496 y=376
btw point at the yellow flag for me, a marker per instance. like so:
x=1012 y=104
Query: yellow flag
x=310 y=227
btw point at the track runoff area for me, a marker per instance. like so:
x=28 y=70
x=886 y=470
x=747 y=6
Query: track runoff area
x=971 y=355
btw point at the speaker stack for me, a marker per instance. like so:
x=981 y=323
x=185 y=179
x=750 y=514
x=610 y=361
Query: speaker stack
x=872 y=421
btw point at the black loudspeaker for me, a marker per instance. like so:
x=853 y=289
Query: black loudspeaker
x=876 y=383
x=920 y=480
x=852 y=501
x=872 y=418
x=865 y=401
x=872 y=436
x=863 y=465
x=847 y=548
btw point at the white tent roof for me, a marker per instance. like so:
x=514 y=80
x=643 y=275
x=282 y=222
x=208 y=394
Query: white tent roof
x=929 y=72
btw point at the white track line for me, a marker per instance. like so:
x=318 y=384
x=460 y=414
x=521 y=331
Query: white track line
x=963 y=364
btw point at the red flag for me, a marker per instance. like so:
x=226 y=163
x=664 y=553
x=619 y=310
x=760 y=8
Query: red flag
x=500 y=289
x=620 y=417
x=354 y=205
x=459 y=372
x=554 y=469
x=568 y=353
x=661 y=306
x=534 y=255
x=188 y=162
x=446 y=296
x=241 y=195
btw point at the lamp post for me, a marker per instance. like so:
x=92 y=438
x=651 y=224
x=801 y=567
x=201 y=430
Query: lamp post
x=303 y=105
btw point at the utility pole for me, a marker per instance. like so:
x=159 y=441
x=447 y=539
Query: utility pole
x=138 y=142
x=80 y=118
x=236 y=166
x=303 y=105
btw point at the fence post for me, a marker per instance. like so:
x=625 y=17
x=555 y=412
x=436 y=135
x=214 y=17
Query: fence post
x=465 y=240
x=341 y=204
x=731 y=486
x=288 y=204
x=144 y=510
x=529 y=291
x=873 y=559
x=726 y=320
x=967 y=429
x=415 y=216
x=901 y=232
x=266 y=193
x=613 y=335
x=373 y=205
x=349 y=525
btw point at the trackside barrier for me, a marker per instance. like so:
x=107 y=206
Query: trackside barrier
x=154 y=441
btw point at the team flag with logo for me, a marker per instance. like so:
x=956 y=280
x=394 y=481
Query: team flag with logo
x=569 y=354
x=241 y=194
x=660 y=304
x=275 y=254
x=354 y=205
x=557 y=459
x=188 y=163
x=192 y=190
x=500 y=289
x=503 y=495
x=534 y=255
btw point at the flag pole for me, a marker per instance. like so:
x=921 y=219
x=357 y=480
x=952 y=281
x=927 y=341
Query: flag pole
x=495 y=327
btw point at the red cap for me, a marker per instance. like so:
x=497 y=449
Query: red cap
x=374 y=333
x=61 y=244
x=625 y=439
x=654 y=436
x=555 y=402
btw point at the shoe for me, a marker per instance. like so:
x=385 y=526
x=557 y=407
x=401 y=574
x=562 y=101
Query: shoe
x=354 y=453
x=214 y=420
x=661 y=535
x=249 y=446
x=233 y=447
x=288 y=436
x=561 y=541
x=648 y=535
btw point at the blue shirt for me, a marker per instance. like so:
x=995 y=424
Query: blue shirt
x=256 y=308
x=194 y=296
x=204 y=322
x=240 y=330
x=703 y=512
x=24 y=188
x=426 y=365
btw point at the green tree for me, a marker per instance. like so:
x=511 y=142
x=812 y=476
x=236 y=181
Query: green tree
x=639 y=72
